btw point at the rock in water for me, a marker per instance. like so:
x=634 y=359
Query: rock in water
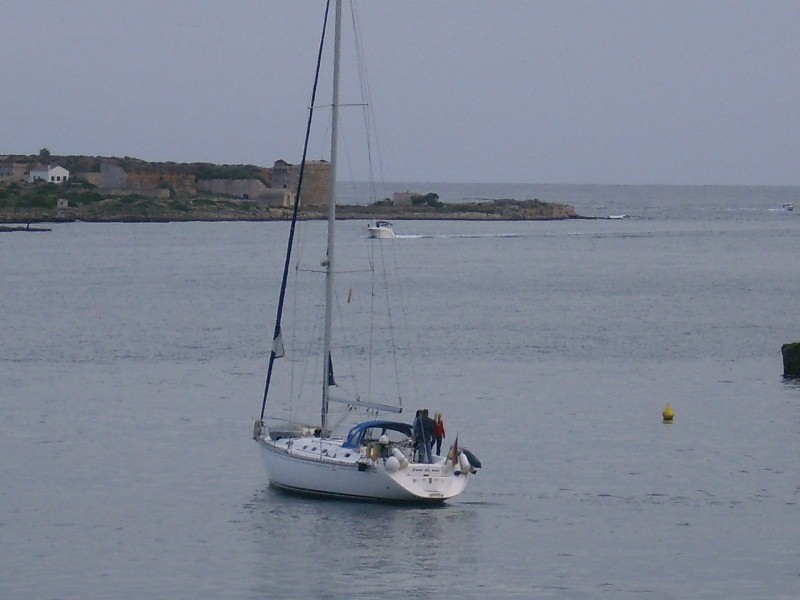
x=791 y=359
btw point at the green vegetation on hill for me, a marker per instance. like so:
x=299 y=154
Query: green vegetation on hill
x=37 y=202
x=429 y=199
x=91 y=164
x=45 y=195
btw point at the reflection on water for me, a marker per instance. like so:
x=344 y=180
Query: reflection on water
x=428 y=548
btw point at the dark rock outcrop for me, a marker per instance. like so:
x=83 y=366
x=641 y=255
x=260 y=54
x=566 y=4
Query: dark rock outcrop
x=791 y=359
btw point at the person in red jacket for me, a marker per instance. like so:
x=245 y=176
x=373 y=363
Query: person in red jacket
x=438 y=432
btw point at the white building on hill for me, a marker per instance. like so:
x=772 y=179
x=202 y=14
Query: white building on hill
x=51 y=174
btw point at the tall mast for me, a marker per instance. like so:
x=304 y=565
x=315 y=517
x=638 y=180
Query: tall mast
x=329 y=270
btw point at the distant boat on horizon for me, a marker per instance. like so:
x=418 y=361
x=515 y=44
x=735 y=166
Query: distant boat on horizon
x=381 y=230
x=7 y=228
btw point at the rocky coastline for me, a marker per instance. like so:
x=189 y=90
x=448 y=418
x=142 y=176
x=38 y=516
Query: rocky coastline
x=38 y=189
x=149 y=210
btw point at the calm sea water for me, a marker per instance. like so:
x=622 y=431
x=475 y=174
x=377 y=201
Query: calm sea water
x=133 y=360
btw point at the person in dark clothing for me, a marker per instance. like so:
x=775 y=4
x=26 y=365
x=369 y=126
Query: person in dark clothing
x=416 y=428
x=426 y=442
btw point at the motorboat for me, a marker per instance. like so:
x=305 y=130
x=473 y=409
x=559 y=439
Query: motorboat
x=381 y=230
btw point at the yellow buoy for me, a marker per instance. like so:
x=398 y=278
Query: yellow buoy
x=668 y=414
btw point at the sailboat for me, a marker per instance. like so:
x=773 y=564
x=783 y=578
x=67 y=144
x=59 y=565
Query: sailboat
x=374 y=459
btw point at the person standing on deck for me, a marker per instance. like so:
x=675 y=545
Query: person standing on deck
x=438 y=432
x=418 y=433
x=427 y=436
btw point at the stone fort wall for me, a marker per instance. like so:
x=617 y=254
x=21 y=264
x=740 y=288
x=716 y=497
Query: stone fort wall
x=279 y=191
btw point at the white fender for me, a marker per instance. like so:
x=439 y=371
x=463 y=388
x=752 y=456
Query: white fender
x=400 y=457
x=463 y=462
x=392 y=465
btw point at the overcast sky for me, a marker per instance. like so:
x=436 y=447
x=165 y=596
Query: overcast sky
x=516 y=91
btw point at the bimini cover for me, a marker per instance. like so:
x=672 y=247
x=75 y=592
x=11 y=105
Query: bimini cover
x=356 y=435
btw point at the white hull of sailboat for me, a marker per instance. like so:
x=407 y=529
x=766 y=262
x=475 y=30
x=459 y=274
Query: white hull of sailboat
x=355 y=476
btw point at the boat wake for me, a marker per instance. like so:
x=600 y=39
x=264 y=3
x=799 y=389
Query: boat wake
x=423 y=236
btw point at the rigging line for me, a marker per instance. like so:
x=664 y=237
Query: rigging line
x=295 y=312
x=298 y=372
x=371 y=255
x=341 y=105
x=348 y=158
x=345 y=271
x=406 y=326
x=367 y=112
x=297 y=376
x=307 y=375
x=371 y=324
x=400 y=301
x=347 y=343
x=277 y=332
x=306 y=324
x=392 y=338
x=368 y=117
